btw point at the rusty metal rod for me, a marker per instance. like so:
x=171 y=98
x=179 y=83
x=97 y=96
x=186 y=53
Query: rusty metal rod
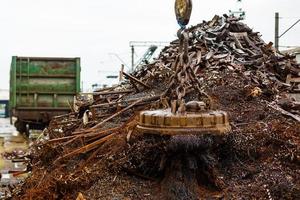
x=110 y=92
x=82 y=134
x=125 y=102
x=136 y=80
x=86 y=148
x=100 y=136
x=116 y=114
x=89 y=159
x=62 y=116
x=105 y=104
x=65 y=122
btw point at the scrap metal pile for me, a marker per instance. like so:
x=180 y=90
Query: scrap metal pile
x=96 y=152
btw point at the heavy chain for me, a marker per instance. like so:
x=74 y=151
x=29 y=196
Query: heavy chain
x=181 y=75
x=184 y=77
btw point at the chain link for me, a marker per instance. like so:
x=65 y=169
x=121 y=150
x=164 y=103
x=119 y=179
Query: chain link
x=184 y=76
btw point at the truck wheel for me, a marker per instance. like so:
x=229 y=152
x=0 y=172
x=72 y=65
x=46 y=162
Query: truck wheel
x=20 y=126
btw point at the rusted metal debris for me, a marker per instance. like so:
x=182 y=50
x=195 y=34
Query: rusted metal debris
x=230 y=67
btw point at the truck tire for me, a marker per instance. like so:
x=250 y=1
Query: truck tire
x=20 y=126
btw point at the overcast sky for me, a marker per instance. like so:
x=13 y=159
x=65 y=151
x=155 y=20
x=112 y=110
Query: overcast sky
x=94 y=29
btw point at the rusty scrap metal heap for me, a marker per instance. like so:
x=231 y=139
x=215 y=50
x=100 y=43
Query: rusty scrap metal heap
x=98 y=153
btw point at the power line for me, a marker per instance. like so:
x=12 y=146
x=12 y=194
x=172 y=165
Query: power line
x=119 y=58
x=289 y=28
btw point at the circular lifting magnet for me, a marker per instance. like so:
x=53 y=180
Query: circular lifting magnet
x=183 y=10
x=164 y=122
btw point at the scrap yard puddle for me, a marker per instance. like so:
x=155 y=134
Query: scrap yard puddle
x=13 y=146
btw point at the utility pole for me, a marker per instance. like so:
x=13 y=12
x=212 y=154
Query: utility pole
x=276 y=31
x=132 y=57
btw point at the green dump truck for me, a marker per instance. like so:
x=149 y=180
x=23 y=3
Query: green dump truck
x=41 y=88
